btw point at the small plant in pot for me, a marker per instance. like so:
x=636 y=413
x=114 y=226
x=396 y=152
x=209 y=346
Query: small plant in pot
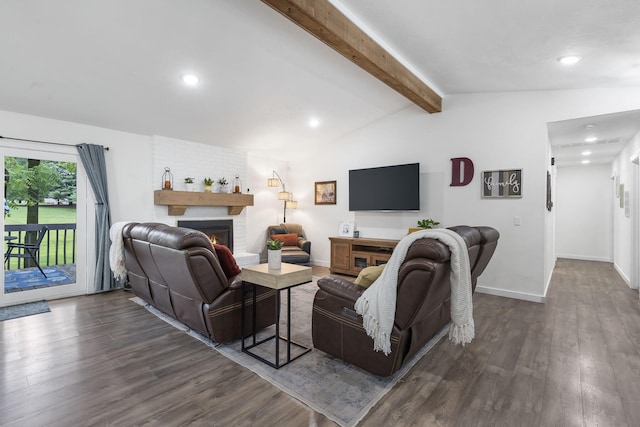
x=274 y=254
x=222 y=182
x=424 y=224
x=188 y=184
x=427 y=223
x=208 y=182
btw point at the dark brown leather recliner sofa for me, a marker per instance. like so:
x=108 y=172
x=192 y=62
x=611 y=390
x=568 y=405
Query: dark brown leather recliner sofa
x=177 y=271
x=422 y=310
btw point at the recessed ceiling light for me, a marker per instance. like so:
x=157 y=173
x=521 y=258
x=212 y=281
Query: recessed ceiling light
x=589 y=126
x=591 y=139
x=190 y=79
x=584 y=162
x=569 y=59
x=314 y=123
x=586 y=153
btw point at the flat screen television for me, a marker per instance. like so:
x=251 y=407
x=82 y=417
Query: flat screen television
x=387 y=188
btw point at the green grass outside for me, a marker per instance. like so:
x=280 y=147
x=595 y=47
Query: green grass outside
x=46 y=215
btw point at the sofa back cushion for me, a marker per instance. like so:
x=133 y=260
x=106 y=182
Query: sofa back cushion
x=294 y=229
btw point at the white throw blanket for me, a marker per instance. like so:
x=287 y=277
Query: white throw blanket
x=377 y=305
x=116 y=251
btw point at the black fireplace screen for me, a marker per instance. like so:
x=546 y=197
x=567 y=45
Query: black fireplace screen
x=220 y=231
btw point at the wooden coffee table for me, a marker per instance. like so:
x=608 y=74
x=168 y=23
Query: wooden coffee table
x=289 y=276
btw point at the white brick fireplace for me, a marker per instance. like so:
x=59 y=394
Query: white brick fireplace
x=195 y=160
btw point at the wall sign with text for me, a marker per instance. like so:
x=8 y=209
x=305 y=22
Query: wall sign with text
x=502 y=183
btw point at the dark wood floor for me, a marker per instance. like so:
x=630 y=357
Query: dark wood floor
x=102 y=360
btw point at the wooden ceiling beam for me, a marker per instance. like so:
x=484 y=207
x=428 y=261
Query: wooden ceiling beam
x=327 y=23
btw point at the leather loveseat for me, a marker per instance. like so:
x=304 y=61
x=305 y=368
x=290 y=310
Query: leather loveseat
x=296 y=249
x=177 y=271
x=422 y=310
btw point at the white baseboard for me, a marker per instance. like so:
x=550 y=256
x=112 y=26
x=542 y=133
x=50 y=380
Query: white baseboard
x=626 y=279
x=320 y=263
x=584 y=257
x=510 y=294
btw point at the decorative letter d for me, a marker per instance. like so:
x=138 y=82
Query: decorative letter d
x=456 y=164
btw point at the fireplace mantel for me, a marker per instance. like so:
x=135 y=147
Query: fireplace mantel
x=178 y=201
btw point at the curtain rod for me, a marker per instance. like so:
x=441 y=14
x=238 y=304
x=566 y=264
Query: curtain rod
x=41 y=142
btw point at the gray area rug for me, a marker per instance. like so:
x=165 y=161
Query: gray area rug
x=22 y=310
x=341 y=392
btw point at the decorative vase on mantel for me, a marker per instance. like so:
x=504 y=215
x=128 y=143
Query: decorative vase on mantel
x=188 y=184
x=274 y=258
x=208 y=182
x=222 y=185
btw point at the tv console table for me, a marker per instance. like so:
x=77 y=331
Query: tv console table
x=349 y=255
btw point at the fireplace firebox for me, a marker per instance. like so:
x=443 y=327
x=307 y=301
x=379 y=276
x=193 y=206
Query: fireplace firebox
x=220 y=231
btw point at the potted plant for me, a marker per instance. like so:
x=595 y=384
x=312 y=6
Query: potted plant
x=208 y=182
x=424 y=224
x=222 y=182
x=274 y=254
x=188 y=184
x=427 y=223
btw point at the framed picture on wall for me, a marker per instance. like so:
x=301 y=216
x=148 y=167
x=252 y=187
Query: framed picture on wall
x=627 y=209
x=346 y=229
x=505 y=183
x=549 y=200
x=325 y=192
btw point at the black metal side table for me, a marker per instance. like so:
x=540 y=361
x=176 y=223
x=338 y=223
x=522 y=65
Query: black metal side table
x=289 y=276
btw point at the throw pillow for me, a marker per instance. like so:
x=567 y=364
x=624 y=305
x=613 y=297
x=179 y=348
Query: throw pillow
x=369 y=275
x=227 y=261
x=286 y=239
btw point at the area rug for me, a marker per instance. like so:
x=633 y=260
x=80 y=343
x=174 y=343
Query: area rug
x=341 y=392
x=31 y=278
x=22 y=310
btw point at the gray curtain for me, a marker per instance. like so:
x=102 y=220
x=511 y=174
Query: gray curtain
x=92 y=157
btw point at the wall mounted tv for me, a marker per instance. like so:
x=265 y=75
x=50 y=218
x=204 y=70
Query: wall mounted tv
x=388 y=188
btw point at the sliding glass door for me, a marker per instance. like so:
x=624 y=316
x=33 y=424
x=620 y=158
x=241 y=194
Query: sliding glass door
x=44 y=225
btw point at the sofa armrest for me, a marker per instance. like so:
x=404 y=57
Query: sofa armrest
x=305 y=245
x=340 y=288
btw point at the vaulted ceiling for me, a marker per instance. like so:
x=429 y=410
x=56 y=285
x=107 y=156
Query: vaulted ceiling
x=117 y=63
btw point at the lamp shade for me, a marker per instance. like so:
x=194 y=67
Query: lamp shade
x=292 y=204
x=273 y=182
x=283 y=195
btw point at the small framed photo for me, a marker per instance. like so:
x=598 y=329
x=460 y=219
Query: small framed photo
x=627 y=209
x=325 y=192
x=345 y=229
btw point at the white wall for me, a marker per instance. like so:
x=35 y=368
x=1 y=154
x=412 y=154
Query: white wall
x=549 y=224
x=623 y=168
x=497 y=131
x=584 y=213
x=268 y=210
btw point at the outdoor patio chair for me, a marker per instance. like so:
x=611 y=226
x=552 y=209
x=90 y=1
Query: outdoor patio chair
x=29 y=250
